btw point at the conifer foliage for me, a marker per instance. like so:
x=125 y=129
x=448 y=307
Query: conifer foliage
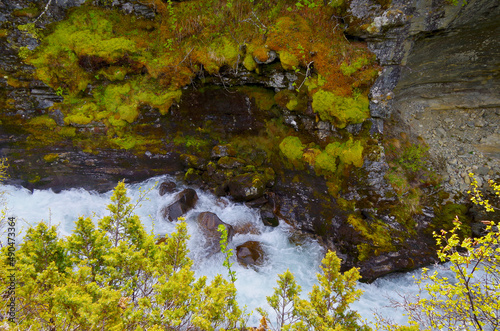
x=115 y=276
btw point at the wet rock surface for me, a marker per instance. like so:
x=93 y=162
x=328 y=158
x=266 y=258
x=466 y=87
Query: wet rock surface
x=183 y=202
x=250 y=254
x=166 y=187
x=60 y=168
x=209 y=224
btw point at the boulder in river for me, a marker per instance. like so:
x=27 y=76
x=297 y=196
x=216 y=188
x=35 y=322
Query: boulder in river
x=167 y=187
x=250 y=254
x=183 y=202
x=209 y=223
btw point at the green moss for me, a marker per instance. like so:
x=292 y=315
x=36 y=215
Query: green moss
x=52 y=157
x=192 y=143
x=288 y=60
x=352 y=153
x=249 y=63
x=115 y=95
x=43 y=120
x=376 y=232
x=408 y=206
x=292 y=148
x=398 y=181
x=349 y=153
x=130 y=62
x=77 y=119
x=269 y=175
x=315 y=82
x=86 y=35
x=114 y=73
x=326 y=162
x=357 y=64
x=348 y=205
x=413 y=157
x=34 y=179
x=126 y=142
x=67 y=132
x=229 y=162
x=192 y=175
x=340 y=110
x=31 y=29
x=148 y=93
x=221 y=51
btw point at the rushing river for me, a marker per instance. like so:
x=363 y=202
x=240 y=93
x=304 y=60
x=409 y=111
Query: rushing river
x=283 y=249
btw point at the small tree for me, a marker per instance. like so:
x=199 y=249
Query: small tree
x=328 y=304
x=470 y=301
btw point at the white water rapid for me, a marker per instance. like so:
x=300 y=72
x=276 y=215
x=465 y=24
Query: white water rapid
x=283 y=250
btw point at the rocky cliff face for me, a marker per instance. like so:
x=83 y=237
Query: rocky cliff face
x=440 y=79
x=439 y=75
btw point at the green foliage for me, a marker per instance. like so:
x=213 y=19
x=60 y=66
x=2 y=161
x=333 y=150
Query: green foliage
x=228 y=253
x=340 y=110
x=398 y=181
x=328 y=304
x=283 y=302
x=115 y=277
x=445 y=216
x=471 y=300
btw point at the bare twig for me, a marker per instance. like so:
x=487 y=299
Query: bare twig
x=44 y=11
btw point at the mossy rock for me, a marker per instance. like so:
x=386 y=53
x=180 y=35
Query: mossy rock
x=193 y=176
x=219 y=151
x=288 y=60
x=228 y=162
x=247 y=187
x=193 y=161
x=292 y=148
x=340 y=110
x=43 y=120
x=52 y=157
x=375 y=232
